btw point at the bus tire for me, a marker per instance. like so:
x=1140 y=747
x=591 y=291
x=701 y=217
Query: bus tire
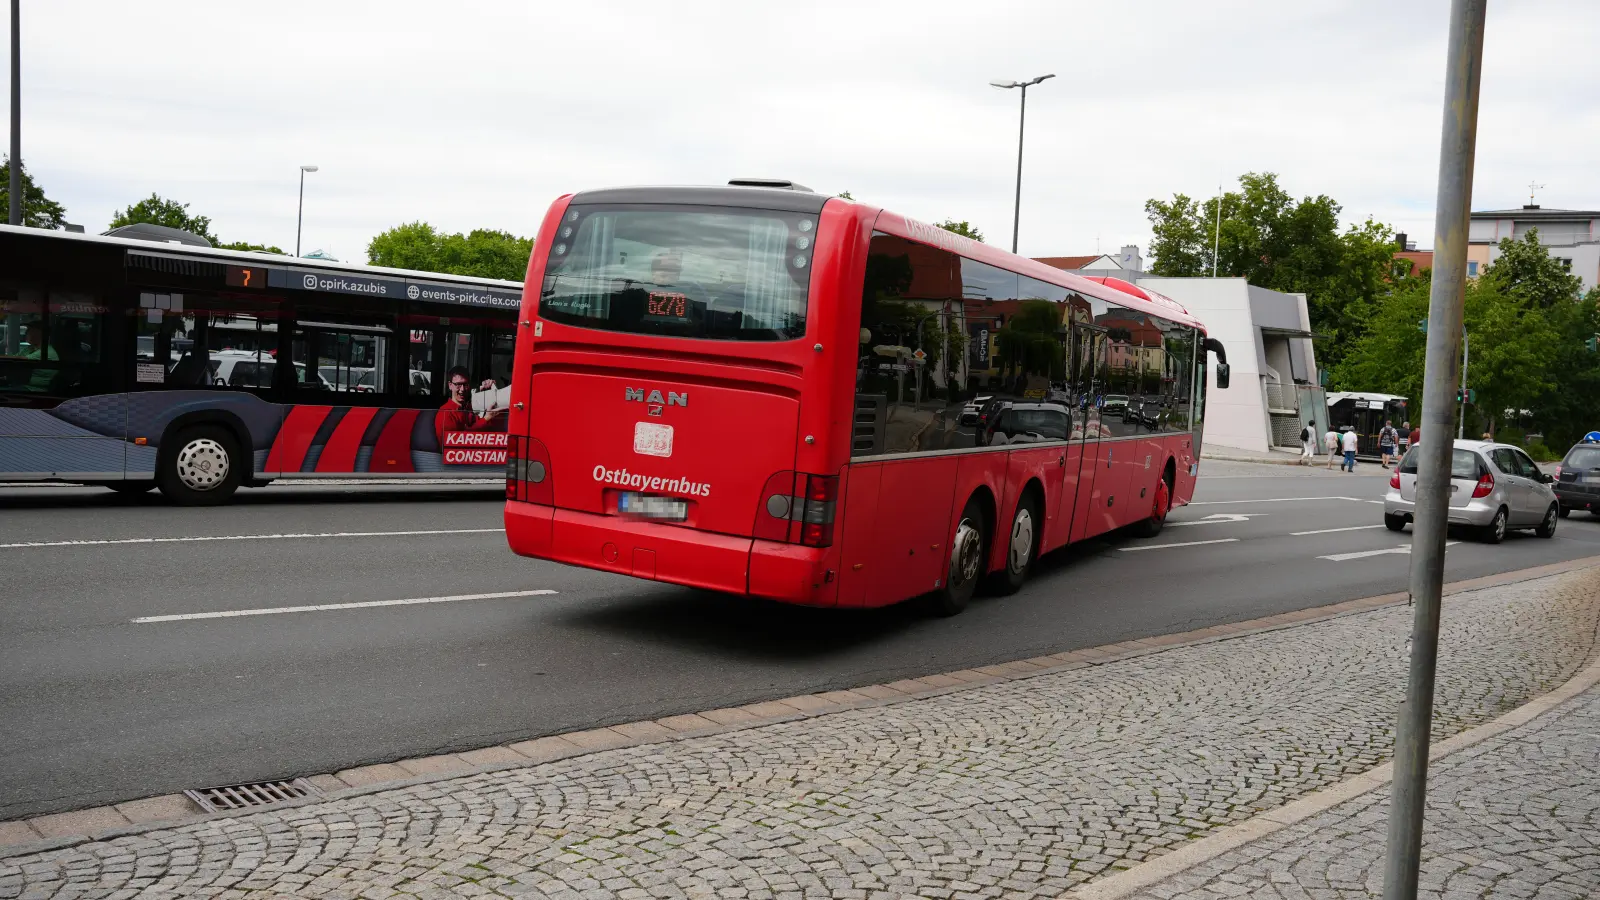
x=200 y=466
x=969 y=549
x=1159 y=507
x=1022 y=547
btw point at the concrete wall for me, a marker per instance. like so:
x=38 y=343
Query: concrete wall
x=1236 y=417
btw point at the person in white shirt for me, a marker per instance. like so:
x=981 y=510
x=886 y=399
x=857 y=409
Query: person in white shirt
x=1308 y=444
x=1349 y=464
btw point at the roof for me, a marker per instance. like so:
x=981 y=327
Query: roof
x=1536 y=212
x=1068 y=262
x=1361 y=395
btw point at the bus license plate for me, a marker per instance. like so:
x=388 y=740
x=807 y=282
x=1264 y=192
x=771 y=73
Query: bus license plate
x=648 y=506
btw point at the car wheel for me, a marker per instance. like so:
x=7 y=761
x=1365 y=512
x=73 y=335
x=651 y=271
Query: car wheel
x=1394 y=523
x=1495 y=531
x=1149 y=528
x=199 y=466
x=1022 y=545
x=968 y=550
x=1547 y=528
x=1564 y=512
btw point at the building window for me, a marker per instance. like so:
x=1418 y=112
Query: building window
x=1472 y=268
x=1566 y=264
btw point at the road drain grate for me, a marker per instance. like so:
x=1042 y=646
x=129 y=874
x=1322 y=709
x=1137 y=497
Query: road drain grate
x=254 y=794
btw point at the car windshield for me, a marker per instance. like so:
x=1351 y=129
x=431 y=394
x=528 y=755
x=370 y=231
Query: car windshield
x=1582 y=457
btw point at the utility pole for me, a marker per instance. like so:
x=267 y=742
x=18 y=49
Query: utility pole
x=1022 y=124
x=1216 y=236
x=1457 y=144
x=16 y=112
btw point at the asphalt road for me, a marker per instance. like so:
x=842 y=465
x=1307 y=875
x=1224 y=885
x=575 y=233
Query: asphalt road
x=98 y=708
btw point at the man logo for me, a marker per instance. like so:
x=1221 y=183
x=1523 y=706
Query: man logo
x=413 y=291
x=654 y=400
x=310 y=282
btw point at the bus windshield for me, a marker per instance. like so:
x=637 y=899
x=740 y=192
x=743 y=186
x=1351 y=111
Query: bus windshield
x=728 y=274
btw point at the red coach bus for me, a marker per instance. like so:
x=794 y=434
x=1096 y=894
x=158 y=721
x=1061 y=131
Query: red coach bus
x=760 y=390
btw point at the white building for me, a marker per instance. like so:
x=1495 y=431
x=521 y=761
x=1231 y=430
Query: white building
x=1570 y=235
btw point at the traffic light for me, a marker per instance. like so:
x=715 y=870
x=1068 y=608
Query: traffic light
x=1472 y=395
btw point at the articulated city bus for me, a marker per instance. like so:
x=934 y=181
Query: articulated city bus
x=761 y=390
x=135 y=364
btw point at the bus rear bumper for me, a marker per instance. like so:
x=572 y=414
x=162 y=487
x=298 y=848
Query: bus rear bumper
x=670 y=553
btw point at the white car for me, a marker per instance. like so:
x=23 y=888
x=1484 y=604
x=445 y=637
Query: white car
x=969 y=413
x=242 y=368
x=1493 y=488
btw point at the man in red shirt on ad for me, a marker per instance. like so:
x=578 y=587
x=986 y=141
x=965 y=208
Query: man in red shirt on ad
x=456 y=414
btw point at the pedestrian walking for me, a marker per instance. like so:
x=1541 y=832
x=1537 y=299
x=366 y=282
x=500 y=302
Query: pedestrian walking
x=1308 y=444
x=1388 y=441
x=1405 y=437
x=1331 y=441
x=1349 y=443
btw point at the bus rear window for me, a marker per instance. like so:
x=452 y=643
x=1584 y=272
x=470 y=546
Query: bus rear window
x=700 y=272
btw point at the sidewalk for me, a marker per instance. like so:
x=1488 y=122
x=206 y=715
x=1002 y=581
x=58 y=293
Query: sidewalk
x=1013 y=781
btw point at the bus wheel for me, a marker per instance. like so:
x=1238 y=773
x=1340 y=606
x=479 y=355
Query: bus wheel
x=199 y=466
x=1158 y=512
x=967 y=552
x=1022 y=545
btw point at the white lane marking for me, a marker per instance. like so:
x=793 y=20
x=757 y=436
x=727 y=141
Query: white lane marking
x=1332 y=530
x=1275 y=500
x=248 y=537
x=1184 y=544
x=1404 y=549
x=323 y=607
x=1217 y=519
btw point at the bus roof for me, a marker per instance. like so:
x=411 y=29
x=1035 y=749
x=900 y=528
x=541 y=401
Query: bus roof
x=250 y=257
x=1111 y=290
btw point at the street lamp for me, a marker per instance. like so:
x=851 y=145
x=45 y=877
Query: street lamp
x=1016 y=214
x=300 y=214
x=16 y=112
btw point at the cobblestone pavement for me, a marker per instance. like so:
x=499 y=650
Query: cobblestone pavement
x=1515 y=816
x=1016 y=789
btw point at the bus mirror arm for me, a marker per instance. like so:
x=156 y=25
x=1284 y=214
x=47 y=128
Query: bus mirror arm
x=1215 y=346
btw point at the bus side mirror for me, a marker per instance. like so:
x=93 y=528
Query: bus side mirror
x=1213 y=345
x=1222 y=376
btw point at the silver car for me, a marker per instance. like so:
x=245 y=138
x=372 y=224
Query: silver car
x=1493 y=488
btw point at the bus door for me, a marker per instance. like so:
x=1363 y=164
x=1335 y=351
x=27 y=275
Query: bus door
x=1083 y=459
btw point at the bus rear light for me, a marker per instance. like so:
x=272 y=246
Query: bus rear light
x=1485 y=486
x=798 y=509
x=528 y=471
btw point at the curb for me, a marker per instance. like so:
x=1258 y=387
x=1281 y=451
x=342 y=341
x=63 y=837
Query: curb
x=1263 y=460
x=61 y=830
x=1149 y=874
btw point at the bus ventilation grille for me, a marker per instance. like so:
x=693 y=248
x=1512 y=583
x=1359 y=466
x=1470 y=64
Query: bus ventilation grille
x=870 y=425
x=254 y=794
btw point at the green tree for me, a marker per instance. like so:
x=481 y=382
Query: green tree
x=963 y=228
x=845 y=195
x=1028 y=343
x=38 y=211
x=1274 y=241
x=246 y=245
x=484 y=253
x=157 y=210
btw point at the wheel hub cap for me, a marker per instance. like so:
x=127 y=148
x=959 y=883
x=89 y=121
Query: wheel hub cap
x=964 y=556
x=1021 y=540
x=202 y=464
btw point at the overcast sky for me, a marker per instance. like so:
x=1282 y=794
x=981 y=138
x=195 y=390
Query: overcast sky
x=477 y=113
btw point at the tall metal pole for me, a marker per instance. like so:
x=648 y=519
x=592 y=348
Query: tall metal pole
x=1016 y=208
x=16 y=113
x=300 y=212
x=1216 y=238
x=1458 y=141
x=1461 y=426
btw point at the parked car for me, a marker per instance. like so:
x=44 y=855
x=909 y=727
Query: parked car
x=970 y=412
x=1577 y=483
x=1028 y=423
x=1494 y=488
